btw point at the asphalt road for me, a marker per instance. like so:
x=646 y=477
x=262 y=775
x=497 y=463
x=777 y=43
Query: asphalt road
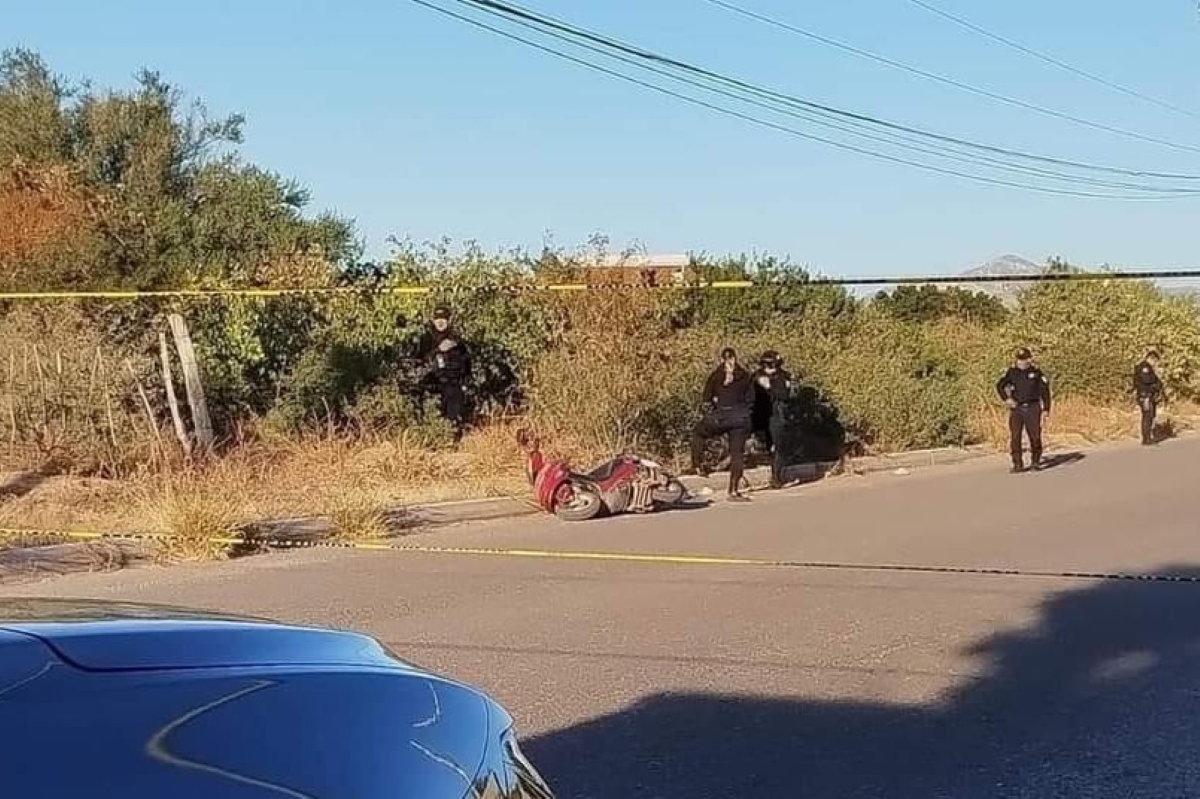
x=639 y=679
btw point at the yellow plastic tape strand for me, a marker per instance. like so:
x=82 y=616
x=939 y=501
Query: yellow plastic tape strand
x=335 y=290
x=380 y=545
x=620 y=557
x=133 y=295
x=92 y=535
x=234 y=539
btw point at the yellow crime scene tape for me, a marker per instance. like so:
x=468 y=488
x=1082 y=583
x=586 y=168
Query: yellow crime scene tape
x=363 y=290
x=664 y=285
x=650 y=558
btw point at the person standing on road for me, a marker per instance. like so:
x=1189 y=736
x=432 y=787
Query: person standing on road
x=1025 y=389
x=1149 y=389
x=776 y=383
x=728 y=400
x=445 y=351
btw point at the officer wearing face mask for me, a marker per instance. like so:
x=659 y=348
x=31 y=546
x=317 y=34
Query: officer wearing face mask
x=1149 y=390
x=728 y=402
x=445 y=351
x=1025 y=389
x=773 y=381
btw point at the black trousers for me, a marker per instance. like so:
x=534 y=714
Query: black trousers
x=1025 y=419
x=733 y=424
x=453 y=403
x=1149 y=408
x=778 y=456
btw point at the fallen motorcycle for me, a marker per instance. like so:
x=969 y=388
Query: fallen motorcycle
x=626 y=484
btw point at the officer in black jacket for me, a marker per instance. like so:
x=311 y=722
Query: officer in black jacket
x=1148 y=388
x=1026 y=391
x=775 y=383
x=446 y=353
x=728 y=400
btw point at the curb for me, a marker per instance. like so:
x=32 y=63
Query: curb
x=434 y=515
x=114 y=551
x=759 y=477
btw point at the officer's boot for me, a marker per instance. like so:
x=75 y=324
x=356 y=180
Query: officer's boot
x=735 y=490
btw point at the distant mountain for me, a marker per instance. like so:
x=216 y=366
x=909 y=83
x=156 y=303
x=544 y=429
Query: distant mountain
x=1018 y=266
x=1190 y=290
x=998 y=267
x=1007 y=265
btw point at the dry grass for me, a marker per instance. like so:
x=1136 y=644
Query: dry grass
x=1076 y=422
x=190 y=518
x=354 y=482
x=357 y=515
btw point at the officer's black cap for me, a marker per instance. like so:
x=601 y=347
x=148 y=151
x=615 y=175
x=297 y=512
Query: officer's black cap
x=770 y=358
x=441 y=312
x=1024 y=354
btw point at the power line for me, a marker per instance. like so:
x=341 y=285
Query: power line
x=515 y=12
x=830 y=121
x=1048 y=59
x=774 y=125
x=895 y=139
x=981 y=92
x=556 y=28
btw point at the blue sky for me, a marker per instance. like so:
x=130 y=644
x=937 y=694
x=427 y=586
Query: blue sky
x=418 y=126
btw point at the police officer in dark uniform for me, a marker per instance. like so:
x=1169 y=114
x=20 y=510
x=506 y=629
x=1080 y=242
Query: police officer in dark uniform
x=1148 y=388
x=773 y=381
x=1026 y=391
x=444 y=350
x=728 y=400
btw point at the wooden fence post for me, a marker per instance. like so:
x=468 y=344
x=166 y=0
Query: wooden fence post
x=192 y=383
x=181 y=433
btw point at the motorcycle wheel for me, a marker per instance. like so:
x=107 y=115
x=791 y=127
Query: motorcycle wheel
x=582 y=505
x=670 y=494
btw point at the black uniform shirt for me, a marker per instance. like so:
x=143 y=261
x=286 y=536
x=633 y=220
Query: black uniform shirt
x=454 y=363
x=1026 y=386
x=1146 y=382
x=778 y=389
x=737 y=395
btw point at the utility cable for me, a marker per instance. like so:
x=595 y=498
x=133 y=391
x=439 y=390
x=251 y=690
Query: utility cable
x=1048 y=59
x=766 y=123
x=522 y=19
x=948 y=81
x=892 y=138
x=515 y=12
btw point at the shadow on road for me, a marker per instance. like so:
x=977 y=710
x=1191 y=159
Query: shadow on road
x=21 y=484
x=1100 y=699
x=1061 y=459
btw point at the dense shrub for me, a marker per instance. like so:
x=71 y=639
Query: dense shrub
x=140 y=189
x=931 y=304
x=1089 y=333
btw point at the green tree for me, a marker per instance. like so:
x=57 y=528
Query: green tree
x=172 y=204
x=928 y=303
x=1089 y=333
x=781 y=290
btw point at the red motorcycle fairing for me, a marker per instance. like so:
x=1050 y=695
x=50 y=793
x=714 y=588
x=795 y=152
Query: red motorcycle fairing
x=610 y=480
x=627 y=483
x=609 y=475
x=614 y=482
x=550 y=480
